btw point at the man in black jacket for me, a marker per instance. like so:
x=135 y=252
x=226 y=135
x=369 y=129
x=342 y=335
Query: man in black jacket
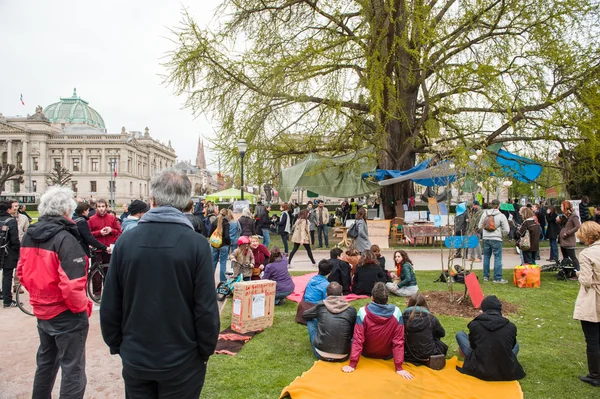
x=340 y=272
x=159 y=307
x=9 y=249
x=584 y=210
x=335 y=326
x=196 y=221
x=491 y=348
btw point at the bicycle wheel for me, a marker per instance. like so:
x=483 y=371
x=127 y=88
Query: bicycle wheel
x=222 y=291
x=22 y=299
x=95 y=284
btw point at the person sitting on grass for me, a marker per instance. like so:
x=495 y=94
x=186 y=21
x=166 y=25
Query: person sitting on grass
x=277 y=270
x=331 y=336
x=261 y=256
x=367 y=274
x=379 y=333
x=340 y=271
x=351 y=256
x=242 y=259
x=490 y=350
x=316 y=288
x=408 y=281
x=381 y=259
x=422 y=332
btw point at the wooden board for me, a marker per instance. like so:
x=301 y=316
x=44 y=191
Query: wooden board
x=379 y=232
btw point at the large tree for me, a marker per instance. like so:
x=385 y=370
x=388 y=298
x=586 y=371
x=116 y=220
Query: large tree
x=59 y=176
x=10 y=172
x=409 y=77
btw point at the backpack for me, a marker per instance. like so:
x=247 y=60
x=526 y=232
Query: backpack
x=353 y=232
x=525 y=241
x=216 y=239
x=4 y=241
x=489 y=224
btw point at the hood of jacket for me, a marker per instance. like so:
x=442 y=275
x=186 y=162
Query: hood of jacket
x=129 y=221
x=492 y=320
x=461 y=208
x=49 y=226
x=317 y=281
x=336 y=304
x=166 y=214
x=382 y=313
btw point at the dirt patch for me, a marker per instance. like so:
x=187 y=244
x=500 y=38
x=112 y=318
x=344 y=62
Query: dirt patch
x=439 y=303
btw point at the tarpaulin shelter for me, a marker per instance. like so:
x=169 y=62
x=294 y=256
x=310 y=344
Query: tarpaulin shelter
x=227 y=195
x=330 y=176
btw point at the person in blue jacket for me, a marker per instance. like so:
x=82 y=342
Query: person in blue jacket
x=316 y=289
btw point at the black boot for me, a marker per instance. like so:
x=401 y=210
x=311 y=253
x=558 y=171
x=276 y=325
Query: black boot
x=593 y=377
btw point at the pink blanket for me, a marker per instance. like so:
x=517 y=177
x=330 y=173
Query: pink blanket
x=300 y=285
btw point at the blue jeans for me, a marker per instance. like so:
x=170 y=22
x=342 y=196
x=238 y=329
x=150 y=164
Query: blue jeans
x=266 y=237
x=553 y=249
x=281 y=295
x=492 y=247
x=312 y=333
x=284 y=238
x=462 y=338
x=220 y=254
x=322 y=229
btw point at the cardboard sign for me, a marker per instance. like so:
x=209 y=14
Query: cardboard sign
x=379 y=232
x=253 y=305
x=474 y=290
x=434 y=209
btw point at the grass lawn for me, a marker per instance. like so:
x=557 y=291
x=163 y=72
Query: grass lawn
x=552 y=345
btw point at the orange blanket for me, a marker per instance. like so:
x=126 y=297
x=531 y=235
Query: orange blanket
x=378 y=379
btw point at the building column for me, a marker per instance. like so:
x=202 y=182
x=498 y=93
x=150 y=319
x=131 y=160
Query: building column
x=42 y=161
x=103 y=162
x=26 y=157
x=84 y=165
x=9 y=155
x=66 y=158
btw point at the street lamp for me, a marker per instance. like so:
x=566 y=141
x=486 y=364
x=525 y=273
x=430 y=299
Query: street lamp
x=242 y=147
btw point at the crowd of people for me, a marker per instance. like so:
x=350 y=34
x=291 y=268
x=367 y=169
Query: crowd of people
x=161 y=279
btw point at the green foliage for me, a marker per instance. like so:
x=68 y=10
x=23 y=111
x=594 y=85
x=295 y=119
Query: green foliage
x=293 y=77
x=552 y=344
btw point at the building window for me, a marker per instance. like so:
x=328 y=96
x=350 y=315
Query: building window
x=140 y=189
x=75 y=164
x=94 y=164
x=139 y=168
x=57 y=163
x=112 y=186
x=16 y=186
x=129 y=165
x=34 y=186
x=20 y=160
x=93 y=186
x=74 y=186
x=36 y=165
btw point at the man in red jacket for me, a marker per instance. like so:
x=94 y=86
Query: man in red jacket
x=53 y=269
x=104 y=227
x=379 y=332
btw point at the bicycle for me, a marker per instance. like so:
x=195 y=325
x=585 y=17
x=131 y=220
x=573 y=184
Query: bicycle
x=96 y=271
x=22 y=298
x=225 y=288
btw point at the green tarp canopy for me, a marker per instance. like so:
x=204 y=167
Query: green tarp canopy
x=330 y=176
x=227 y=195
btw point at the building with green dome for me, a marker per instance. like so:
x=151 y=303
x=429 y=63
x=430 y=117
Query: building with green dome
x=72 y=134
x=74 y=110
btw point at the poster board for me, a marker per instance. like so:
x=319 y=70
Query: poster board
x=253 y=305
x=379 y=232
x=411 y=217
x=434 y=209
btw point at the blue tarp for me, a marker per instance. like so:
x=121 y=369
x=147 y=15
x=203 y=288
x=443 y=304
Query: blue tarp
x=520 y=168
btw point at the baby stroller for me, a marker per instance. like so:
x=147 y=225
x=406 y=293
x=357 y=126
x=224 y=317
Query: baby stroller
x=564 y=267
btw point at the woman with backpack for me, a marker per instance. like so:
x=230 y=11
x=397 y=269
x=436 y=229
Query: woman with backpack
x=566 y=236
x=422 y=333
x=301 y=236
x=220 y=241
x=361 y=240
x=528 y=235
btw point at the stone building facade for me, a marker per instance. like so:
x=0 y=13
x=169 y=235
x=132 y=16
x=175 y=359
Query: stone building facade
x=72 y=134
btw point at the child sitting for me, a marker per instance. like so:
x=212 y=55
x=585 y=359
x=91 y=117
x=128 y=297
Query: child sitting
x=242 y=259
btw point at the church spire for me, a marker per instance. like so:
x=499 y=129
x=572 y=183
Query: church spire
x=200 y=157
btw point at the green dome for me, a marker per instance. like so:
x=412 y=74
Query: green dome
x=74 y=110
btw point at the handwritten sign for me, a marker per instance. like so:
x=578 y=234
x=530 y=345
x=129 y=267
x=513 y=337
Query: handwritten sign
x=379 y=232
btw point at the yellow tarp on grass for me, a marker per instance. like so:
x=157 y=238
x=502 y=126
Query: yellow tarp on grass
x=378 y=379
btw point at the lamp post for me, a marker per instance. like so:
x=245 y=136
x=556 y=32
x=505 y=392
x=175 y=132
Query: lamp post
x=242 y=147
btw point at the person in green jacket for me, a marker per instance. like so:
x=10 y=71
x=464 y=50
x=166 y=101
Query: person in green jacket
x=408 y=281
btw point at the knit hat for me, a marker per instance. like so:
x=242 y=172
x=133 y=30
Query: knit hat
x=138 y=206
x=476 y=202
x=491 y=302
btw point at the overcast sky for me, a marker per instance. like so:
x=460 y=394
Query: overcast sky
x=111 y=52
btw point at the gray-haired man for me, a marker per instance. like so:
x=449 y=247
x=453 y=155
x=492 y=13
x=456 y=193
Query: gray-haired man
x=159 y=309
